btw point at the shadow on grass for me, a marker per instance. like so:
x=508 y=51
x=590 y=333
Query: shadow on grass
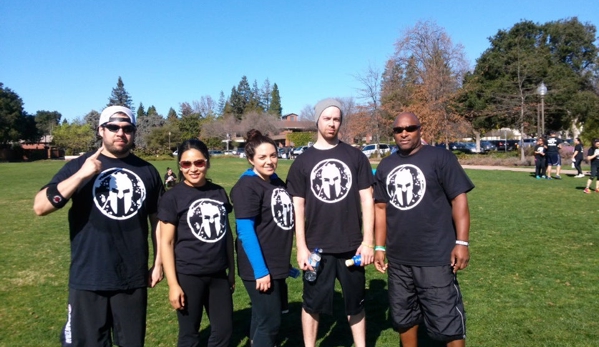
x=333 y=331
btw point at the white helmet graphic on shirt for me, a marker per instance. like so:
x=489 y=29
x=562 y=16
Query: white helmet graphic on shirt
x=119 y=193
x=403 y=186
x=330 y=180
x=406 y=186
x=282 y=209
x=207 y=219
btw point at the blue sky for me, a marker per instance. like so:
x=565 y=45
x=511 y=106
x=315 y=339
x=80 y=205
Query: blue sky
x=66 y=55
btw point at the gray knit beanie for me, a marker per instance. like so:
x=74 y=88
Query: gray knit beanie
x=323 y=104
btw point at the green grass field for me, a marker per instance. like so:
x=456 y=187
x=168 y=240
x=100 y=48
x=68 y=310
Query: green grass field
x=533 y=279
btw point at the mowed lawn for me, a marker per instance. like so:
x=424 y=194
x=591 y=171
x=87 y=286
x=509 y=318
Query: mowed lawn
x=533 y=279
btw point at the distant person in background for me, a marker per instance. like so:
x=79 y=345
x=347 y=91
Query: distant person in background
x=265 y=227
x=577 y=157
x=593 y=157
x=540 y=158
x=553 y=144
x=170 y=178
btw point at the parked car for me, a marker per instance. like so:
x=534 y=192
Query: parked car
x=466 y=147
x=240 y=152
x=488 y=146
x=298 y=150
x=371 y=149
x=215 y=152
x=281 y=153
x=503 y=145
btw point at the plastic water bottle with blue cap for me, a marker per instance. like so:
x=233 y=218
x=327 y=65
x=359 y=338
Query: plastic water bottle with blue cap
x=314 y=262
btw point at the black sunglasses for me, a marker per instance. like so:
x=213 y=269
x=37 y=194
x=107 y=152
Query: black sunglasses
x=409 y=128
x=185 y=164
x=127 y=129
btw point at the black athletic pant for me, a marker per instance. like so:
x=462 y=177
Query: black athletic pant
x=214 y=293
x=266 y=313
x=578 y=166
x=540 y=166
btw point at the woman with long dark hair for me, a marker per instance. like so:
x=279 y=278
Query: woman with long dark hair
x=197 y=249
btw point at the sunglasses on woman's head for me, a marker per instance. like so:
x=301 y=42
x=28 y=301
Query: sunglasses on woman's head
x=409 y=128
x=127 y=129
x=185 y=164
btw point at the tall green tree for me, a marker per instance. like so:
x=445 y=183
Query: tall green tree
x=502 y=90
x=172 y=114
x=46 y=121
x=265 y=94
x=275 y=102
x=120 y=96
x=236 y=104
x=15 y=123
x=152 y=111
x=220 y=108
x=141 y=112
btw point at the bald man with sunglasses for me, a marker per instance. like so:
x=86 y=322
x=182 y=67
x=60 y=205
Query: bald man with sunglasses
x=422 y=226
x=115 y=196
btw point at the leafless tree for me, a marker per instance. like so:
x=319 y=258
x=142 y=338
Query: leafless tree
x=370 y=91
x=265 y=122
x=307 y=113
x=430 y=68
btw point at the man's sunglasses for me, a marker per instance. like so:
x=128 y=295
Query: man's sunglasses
x=127 y=129
x=409 y=128
x=185 y=164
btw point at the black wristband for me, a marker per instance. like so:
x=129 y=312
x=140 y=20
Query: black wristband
x=54 y=196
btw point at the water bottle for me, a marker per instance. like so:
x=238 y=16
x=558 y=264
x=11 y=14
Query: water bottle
x=314 y=261
x=355 y=260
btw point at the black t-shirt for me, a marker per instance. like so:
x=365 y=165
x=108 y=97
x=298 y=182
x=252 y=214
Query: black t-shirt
x=330 y=182
x=108 y=223
x=200 y=215
x=592 y=151
x=539 y=149
x=272 y=207
x=552 y=144
x=418 y=190
x=578 y=148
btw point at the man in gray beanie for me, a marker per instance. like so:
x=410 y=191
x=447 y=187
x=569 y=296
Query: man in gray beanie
x=331 y=188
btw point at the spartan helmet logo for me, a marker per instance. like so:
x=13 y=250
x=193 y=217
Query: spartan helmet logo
x=207 y=219
x=282 y=209
x=406 y=186
x=331 y=180
x=119 y=193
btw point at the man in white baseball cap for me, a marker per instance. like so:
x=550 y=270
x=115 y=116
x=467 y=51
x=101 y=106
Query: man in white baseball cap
x=114 y=195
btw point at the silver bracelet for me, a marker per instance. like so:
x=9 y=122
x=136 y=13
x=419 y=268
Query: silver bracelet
x=462 y=243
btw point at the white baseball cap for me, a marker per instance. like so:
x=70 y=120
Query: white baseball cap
x=115 y=114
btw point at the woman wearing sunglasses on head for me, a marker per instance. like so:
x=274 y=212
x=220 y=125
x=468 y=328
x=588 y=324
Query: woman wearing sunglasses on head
x=265 y=226
x=197 y=249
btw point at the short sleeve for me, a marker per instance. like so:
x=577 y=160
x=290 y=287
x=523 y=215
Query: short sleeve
x=245 y=199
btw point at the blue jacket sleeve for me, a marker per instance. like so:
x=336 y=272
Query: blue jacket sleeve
x=249 y=242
